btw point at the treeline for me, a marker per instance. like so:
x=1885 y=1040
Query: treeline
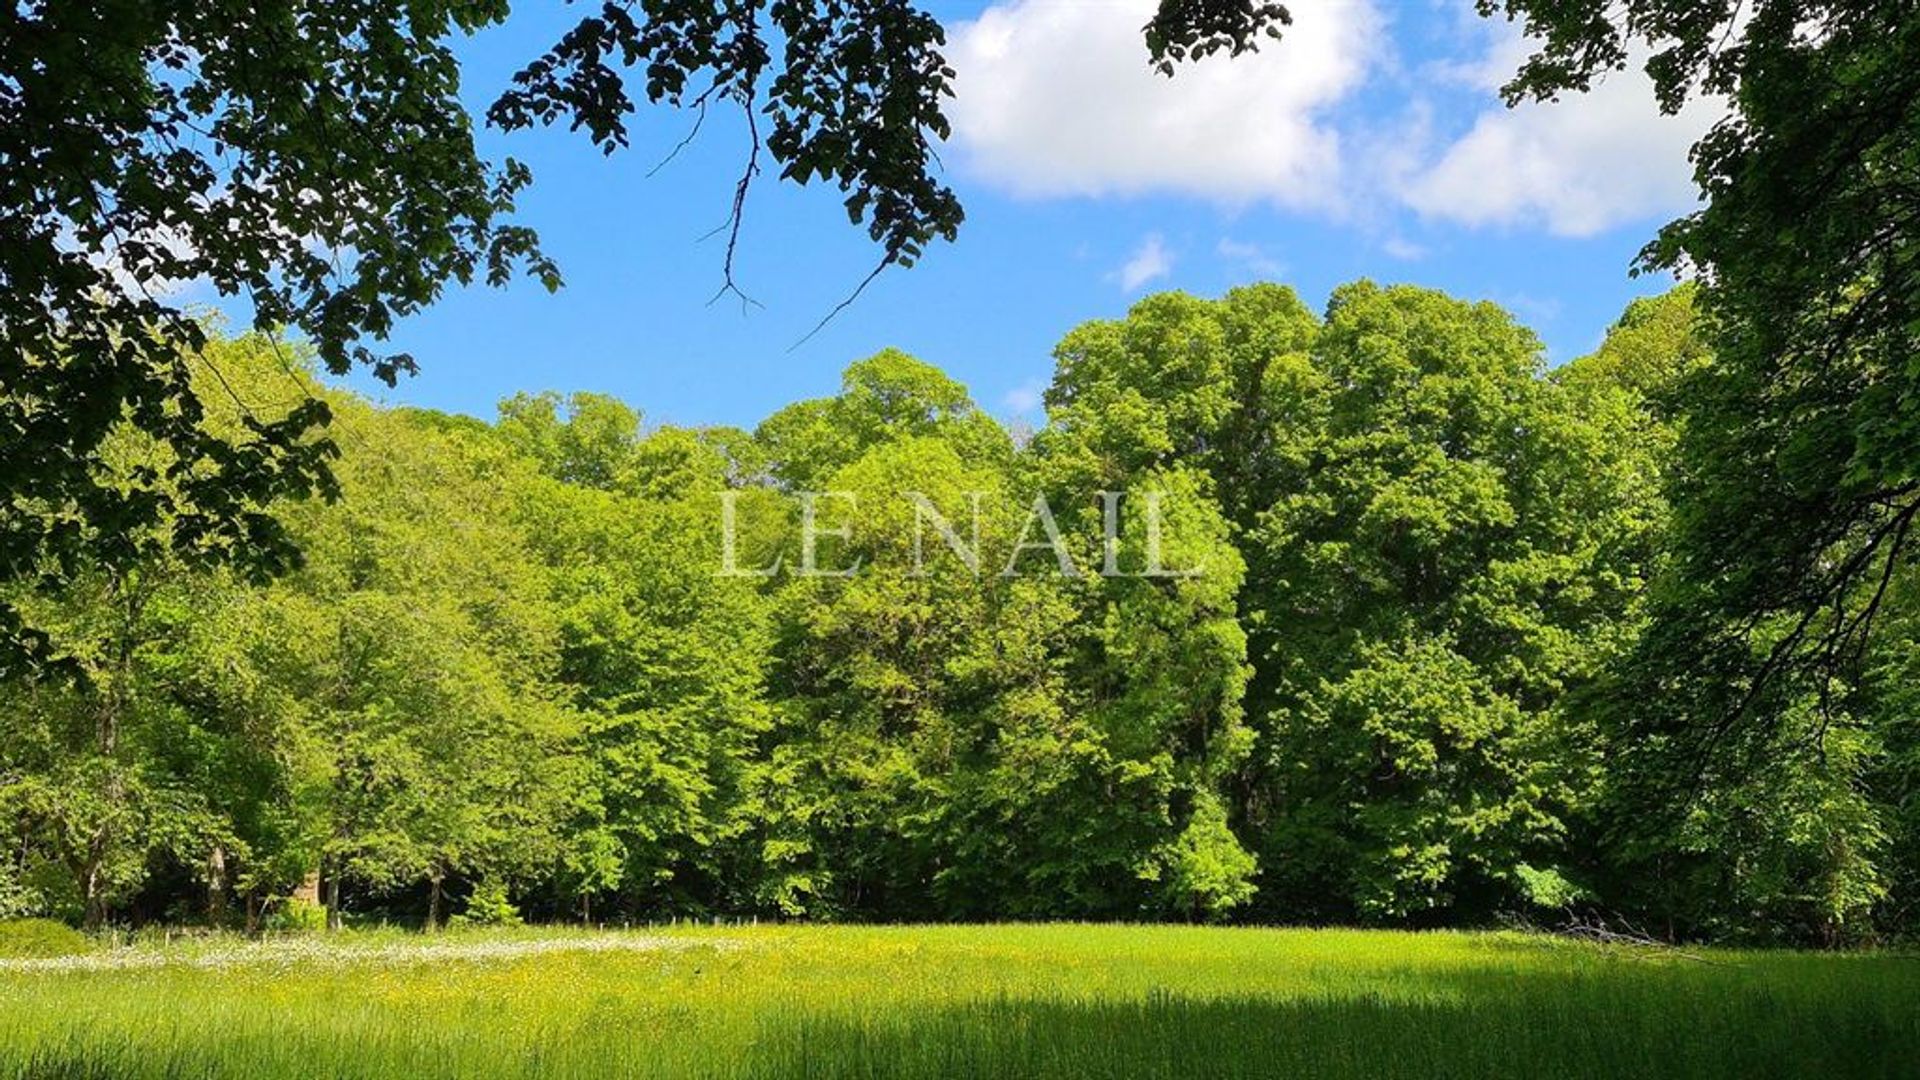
x=1411 y=685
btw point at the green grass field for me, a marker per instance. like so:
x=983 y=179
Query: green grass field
x=943 y=1002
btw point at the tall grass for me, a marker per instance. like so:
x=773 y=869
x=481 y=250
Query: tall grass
x=945 y=1002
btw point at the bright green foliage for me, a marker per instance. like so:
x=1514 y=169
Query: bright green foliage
x=1440 y=544
x=419 y=648
x=887 y=396
x=890 y=685
x=488 y=906
x=965 y=741
x=1383 y=629
x=665 y=662
x=1218 y=386
x=1892 y=775
x=40 y=938
x=591 y=446
x=386 y=713
x=1456 y=617
x=1206 y=869
x=1549 y=888
x=152 y=142
x=1656 y=343
x=296 y=916
x=1164 y=663
x=673 y=462
x=1445 y=563
x=135 y=761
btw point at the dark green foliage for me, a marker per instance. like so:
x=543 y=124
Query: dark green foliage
x=157 y=142
x=1773 y=828
x=1799 y=473
x=315 y=162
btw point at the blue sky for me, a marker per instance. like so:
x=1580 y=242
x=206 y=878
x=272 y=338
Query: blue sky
x=1369 y=144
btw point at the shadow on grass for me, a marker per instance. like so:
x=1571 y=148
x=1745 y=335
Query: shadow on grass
x=1479 y=1025
x=1780 y=1016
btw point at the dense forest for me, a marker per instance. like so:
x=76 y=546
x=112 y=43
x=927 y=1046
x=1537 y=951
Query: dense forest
x=1425 y=676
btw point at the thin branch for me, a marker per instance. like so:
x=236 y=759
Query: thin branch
x=736 y=215
x=1846 y=632
x=698 y=121
x=844 y=304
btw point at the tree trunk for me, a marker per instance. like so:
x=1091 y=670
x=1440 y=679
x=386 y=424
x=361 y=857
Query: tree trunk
x=433 y=900
x=333 y=902
x=309 y=889
x=109 y=702
x=94 y=904
x=217 y=884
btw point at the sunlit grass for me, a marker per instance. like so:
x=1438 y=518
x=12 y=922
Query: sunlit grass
x=987 y=1001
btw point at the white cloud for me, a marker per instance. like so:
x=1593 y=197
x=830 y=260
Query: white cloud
x=1251 y=256
x=1534 y=309
x=1026 y=397
x=1403 y=249
x=1055 y=97
x=1578 y=166
x=1150 y=262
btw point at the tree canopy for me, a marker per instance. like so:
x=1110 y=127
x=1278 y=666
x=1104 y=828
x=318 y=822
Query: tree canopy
x=1400 y=626
x=1354 y=615
x=315 y=164
x=1795 y=509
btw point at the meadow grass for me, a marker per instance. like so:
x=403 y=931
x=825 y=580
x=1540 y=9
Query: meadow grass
x=953 y=1001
